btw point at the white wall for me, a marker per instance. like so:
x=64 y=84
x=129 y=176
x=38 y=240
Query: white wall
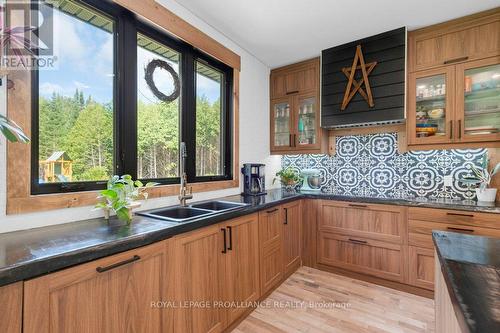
x=254 y=136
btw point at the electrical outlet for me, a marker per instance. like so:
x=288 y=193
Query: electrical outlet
x=448 y=180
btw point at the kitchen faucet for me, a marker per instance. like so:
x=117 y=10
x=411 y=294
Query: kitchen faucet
x=185 y=191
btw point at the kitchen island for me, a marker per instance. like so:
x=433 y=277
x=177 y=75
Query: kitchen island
x=468 y=283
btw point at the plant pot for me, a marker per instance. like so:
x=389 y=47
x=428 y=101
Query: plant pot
x=486 y=195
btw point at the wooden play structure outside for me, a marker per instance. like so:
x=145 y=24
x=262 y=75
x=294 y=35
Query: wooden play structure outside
x=57 y=168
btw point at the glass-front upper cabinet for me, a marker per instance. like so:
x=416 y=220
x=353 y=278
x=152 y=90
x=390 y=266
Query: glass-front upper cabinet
x=307 y=121
x=431 y=111
x=478 y=100
x=281 y=120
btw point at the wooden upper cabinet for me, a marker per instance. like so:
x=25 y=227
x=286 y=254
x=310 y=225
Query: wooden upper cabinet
x=295 y=109
x=241 y=281
x=465 y=39
x=198 y=276
x=454 y=83
x=292 y=225
x=11 y=307
x=113 y=294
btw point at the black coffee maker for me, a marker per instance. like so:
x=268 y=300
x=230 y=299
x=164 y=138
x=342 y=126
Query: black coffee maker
x=253 y=179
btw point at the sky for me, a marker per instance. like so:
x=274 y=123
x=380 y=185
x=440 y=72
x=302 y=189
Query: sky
x=85 y=62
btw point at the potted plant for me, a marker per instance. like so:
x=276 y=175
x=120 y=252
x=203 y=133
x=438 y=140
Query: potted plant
x=289 y=178
x=121 y=195
x=11 y=131
x=482 y=177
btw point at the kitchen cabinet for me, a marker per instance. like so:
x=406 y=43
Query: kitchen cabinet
x=292 y=225
x=270 y=246
x=241 y=280
x=199 y=277
x=457 y=104
x=454 y=84
x=11 y=307
x=362 y=255
x=421 y=267
x=295 y=110
x=380 y=222
x=465 y=39
x=113 y=294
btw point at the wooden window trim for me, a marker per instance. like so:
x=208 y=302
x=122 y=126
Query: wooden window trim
x=19 y=198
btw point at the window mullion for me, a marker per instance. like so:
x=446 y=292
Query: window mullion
x=188 y=114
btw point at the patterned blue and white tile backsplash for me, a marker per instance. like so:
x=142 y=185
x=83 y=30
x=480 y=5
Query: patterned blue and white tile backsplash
x=370 y=166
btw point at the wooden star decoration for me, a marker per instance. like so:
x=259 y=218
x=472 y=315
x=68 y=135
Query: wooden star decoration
x=350 y=73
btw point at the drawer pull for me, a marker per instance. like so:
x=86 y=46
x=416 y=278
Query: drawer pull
x=118 y=264
x=451 y=61
x=357 y=241
x=460 y=229
x=457 y=214
x=358 y=205
x=272 y=210
x=292 y=92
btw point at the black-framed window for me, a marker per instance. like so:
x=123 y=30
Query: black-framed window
x=97 y=115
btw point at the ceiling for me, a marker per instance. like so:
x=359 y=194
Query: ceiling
x=280 y=32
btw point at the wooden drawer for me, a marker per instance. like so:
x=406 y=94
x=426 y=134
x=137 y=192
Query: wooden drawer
x=421 y=267
x=381 y=222
x=384 y=260
x=457 y=217
x=420 y=232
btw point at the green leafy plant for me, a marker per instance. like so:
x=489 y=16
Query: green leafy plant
x=121 y=194
x=481 y=176
x=12 y=131
x=288 y=177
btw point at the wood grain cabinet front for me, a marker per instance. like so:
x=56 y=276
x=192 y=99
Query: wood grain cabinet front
x=114 y=294
x=292 y=225
x=270 y=246
x=11 y=307
x=421 y=267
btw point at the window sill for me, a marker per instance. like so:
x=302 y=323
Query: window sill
x=45 y=202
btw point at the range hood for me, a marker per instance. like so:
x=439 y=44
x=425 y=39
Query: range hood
x=382 y=58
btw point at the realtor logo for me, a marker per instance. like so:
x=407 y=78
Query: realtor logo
x=26 y=35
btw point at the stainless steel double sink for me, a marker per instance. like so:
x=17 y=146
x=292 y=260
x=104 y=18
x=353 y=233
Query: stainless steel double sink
x=180 y=214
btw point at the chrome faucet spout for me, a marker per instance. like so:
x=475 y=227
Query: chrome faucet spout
x=185 y=192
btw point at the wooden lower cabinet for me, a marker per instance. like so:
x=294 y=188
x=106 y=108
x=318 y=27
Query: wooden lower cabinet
x=198 y=277
x=446 y=319
x=421 y=267
x=113 y=294
x=11 y=307
x=270 y=246
x=384 y=260
x=292 y=221
x=216 y=271
x=241 y=281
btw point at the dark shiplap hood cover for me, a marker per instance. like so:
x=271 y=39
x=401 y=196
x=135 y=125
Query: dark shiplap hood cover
x=387 y=82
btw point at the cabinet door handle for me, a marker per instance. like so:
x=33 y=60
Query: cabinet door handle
x=357 y=205
x=460 y=229
x=272 y=210
x=224 y=236
x=230 y=247
x=451 y=61
x=290 y=140
x=118 y=264
x=286 y=216
x=292 y=92
x=357 y=241
x=459 y=128
x=451 y=129
x=458 y=214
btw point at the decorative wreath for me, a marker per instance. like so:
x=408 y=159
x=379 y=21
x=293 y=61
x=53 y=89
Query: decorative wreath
x=148 y=76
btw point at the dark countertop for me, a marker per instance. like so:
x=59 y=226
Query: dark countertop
x=471 y=269
x=30 y=253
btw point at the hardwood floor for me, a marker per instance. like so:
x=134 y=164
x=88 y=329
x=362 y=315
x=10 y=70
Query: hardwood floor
x=361 y=307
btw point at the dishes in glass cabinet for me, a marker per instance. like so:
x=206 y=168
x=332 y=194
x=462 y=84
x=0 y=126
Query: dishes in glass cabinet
x=436 y=113
x=425 y=130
